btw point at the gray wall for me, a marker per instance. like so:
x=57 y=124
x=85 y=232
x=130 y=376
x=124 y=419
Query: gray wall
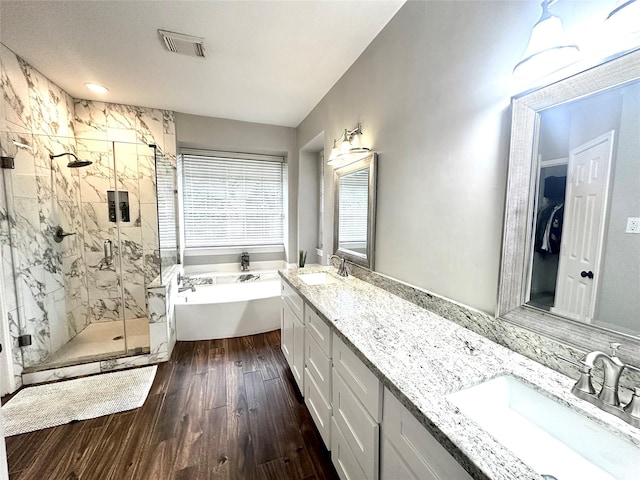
x=618 y=299
x=209 y=133
x=432 y=92
x=308 y=199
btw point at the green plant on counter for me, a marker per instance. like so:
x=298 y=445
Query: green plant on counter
x=302 y=258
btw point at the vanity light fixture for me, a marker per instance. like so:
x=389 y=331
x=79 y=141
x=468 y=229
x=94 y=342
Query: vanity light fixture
x=94 y=87
x=350 y=144
x=548 y=49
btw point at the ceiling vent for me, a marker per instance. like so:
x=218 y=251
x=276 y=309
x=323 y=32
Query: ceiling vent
x=185 y=44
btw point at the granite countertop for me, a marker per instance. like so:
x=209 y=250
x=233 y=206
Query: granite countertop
x=421 y=357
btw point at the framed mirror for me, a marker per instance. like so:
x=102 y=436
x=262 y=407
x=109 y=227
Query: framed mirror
x=355 y=211
x=571 y=255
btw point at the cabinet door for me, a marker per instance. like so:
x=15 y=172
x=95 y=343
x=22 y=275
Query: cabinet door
x=297 y=367
x=286 y=332
x=319 y=408
x=413 y=447
x=393 y=466
x=342 y=457
x=359 y=430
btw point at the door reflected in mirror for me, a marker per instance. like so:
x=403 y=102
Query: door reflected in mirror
x=570 y=267
x=585 y=266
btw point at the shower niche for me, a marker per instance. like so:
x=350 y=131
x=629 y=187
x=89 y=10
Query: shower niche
x=83 y=241
x=118 y=201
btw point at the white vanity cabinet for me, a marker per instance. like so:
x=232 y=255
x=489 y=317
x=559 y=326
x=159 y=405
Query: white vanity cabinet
x=371 y=435
x=357 y=412
x=409 y=451
x=292 y=332
x=317 y=381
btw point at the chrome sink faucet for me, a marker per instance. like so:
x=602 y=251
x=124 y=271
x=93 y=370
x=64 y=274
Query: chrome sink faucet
x=613 y=367
x=607 y=399
x=342 y=268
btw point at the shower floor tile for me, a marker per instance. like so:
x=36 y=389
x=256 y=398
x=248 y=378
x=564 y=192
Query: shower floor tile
x=103 y=338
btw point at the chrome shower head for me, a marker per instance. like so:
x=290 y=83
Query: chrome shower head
x=75 y=163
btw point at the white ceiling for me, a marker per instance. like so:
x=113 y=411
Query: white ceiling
x=268 y=61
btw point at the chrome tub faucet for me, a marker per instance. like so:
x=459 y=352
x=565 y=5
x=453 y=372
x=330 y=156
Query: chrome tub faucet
x=244 y=261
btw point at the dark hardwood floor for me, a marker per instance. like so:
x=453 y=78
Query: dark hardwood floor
x=219 y=409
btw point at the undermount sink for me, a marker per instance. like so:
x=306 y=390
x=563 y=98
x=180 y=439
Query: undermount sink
x=318 y=278
x=550 y=437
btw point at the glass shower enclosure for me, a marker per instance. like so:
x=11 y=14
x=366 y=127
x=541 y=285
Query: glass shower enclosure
x=83 y=242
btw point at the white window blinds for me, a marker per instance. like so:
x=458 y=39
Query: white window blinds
x=233 y=200
x=354 y=201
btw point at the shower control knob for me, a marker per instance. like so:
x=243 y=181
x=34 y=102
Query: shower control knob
x=59 y=234
x=588 y=274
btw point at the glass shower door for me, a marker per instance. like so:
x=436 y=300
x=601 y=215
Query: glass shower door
x=134 y=201
x=102 y=327
x=76 y=275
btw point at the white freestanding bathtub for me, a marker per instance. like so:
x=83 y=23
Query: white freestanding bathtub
x=226 y=310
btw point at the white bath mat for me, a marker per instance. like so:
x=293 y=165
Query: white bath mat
x=44 y=406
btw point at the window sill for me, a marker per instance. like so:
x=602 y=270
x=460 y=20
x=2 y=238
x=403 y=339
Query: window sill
x=198 y=252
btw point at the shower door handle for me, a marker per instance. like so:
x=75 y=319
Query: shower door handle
x=108 y=252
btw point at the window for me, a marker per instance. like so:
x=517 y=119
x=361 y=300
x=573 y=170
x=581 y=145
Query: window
x=233 y=200
x=354 y=204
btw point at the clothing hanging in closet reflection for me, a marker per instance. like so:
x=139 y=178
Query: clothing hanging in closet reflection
x=549 y=229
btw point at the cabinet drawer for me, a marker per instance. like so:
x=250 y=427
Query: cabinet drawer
x=319 y=366
x=319 y=408
x=421 y=452
x=362 y=381
x=293 y=299
x=361 y=432
x=319 y=330
x=342 y=457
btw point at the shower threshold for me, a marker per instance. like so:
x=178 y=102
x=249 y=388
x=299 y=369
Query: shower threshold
x=98 y=342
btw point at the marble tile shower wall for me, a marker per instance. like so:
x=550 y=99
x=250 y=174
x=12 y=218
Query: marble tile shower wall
x=53 y=281
x=97 y=125
x=37 y=271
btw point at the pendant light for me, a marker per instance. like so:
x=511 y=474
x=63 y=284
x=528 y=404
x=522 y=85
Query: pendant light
x=548 y=49
x=624 y=19
x=345 y=143
x=334 y=155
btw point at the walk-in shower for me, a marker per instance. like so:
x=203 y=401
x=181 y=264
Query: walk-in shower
x=83 y=248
